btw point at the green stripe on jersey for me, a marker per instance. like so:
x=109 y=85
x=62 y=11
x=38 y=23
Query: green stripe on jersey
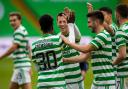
x=102 y=60
x=71 y=70
x=21 y=54
x=63 y=86
x=122 y=40
x=114 y=48
x=47 y=55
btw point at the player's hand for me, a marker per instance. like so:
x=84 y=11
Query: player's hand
x=90 y=7
x=83 y=72
x=105 y=25
x=108 y=29
x=71 y=17
x=65 y=40
x=113 y=63
x=30 y=72
x=67 y=12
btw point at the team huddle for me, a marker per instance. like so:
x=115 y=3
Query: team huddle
x=61 y=61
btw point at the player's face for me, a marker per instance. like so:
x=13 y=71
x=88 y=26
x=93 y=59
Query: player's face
x=62 y=23
x=92 y=24
x=14 y=22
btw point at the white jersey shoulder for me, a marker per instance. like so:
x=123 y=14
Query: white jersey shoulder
x=71 y=36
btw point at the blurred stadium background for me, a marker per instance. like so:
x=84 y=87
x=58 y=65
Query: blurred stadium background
x=31 y=10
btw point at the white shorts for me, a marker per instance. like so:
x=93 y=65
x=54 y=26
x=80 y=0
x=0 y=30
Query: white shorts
x=103 y=87
x=21 y=76
x=79 y=85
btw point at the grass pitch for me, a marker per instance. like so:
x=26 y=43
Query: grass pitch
x=6 y=70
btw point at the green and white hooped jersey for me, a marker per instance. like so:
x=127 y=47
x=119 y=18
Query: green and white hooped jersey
x=20 y=56
x=102 y=60
x=122 y=40
x=72 y=71
x=114 y=47
x=47 y=55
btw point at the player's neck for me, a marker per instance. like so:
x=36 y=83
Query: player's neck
x=66 y=32
x=15 y=28
x=122 y=21
x=100 y=28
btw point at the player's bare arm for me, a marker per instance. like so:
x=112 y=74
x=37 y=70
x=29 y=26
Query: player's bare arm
x=10 y=50
x=121 y=56
x=82 y=48
x=81 y=58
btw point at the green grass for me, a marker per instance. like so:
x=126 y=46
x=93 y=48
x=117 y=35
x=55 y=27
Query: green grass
x=6 y=70
x=88 y=78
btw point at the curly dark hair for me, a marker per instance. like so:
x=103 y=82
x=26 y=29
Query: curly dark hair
x=46 y=23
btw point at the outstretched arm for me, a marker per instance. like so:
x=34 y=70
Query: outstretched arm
x=10 y=50
x=82 y=48
x=82 y=57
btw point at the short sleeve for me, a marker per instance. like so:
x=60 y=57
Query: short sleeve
x=18 y=37
x=121 y=38
x=99 y=41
